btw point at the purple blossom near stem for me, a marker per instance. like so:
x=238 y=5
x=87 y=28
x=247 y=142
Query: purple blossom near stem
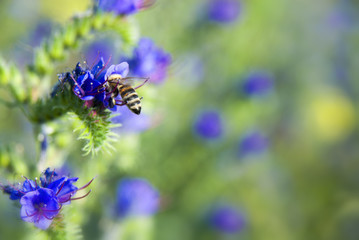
x=223 y=11
x=41 y=202
x=252 y=143
x=136 y=197
x=131 y=123
x=124 y=7
x=257 y=83
x=209 y=125
x=148 y=60
x=226 y=219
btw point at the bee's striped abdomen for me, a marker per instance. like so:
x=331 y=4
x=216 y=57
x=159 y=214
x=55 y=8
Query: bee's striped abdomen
x=130 y=97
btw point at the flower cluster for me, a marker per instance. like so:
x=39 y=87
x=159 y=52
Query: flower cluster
x=42 y=202
x=91 y=86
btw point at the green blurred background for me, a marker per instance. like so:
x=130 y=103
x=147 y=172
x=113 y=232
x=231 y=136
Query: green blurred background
x=303 y=186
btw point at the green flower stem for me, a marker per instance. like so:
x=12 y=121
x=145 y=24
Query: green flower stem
x=94 y=125
x=63 y=229
x=51 y=108
x=80 y=28
x=95 y=130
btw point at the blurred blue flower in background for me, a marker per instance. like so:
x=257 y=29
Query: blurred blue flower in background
x=25 y=52
x=123 y=7
x=226 y=219
x=209 y=125
x=223 y=11
x=257 y=83
x=136 y=197
x=131 y=123
x=41 y=31
x=252 y=143
x=148 y=60
x=100 y=47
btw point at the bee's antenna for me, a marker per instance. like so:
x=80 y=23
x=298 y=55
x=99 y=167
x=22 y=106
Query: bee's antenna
x=142 y=83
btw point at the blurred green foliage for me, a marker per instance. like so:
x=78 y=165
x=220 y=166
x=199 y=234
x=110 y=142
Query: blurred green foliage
x=304 y=187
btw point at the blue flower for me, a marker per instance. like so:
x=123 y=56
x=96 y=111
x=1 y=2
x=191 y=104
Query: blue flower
x=253 y=143
x=226 y=219
x=64 y=188
x=89 y=84
x=87 y=87
x=40 y=207
x=208 y=125
x=16 y=192
x=123 y=7
x=257 y=83
x=136 y=197
x=41 y=203
x=223 y=11
x=148 y=60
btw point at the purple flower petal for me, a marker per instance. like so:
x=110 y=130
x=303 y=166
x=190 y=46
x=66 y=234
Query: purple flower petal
x=121 y=69
x=39 y=207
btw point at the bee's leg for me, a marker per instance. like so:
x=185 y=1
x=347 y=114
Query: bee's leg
x=142 y=84
x=120 y=103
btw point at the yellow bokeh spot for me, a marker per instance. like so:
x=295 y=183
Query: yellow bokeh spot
x=63 y=10
x=332 y=115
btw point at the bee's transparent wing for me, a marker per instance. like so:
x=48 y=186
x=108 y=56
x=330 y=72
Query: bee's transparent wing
x=135 y=82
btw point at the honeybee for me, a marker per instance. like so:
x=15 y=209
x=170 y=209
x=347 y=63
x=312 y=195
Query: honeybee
x=116 y=85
